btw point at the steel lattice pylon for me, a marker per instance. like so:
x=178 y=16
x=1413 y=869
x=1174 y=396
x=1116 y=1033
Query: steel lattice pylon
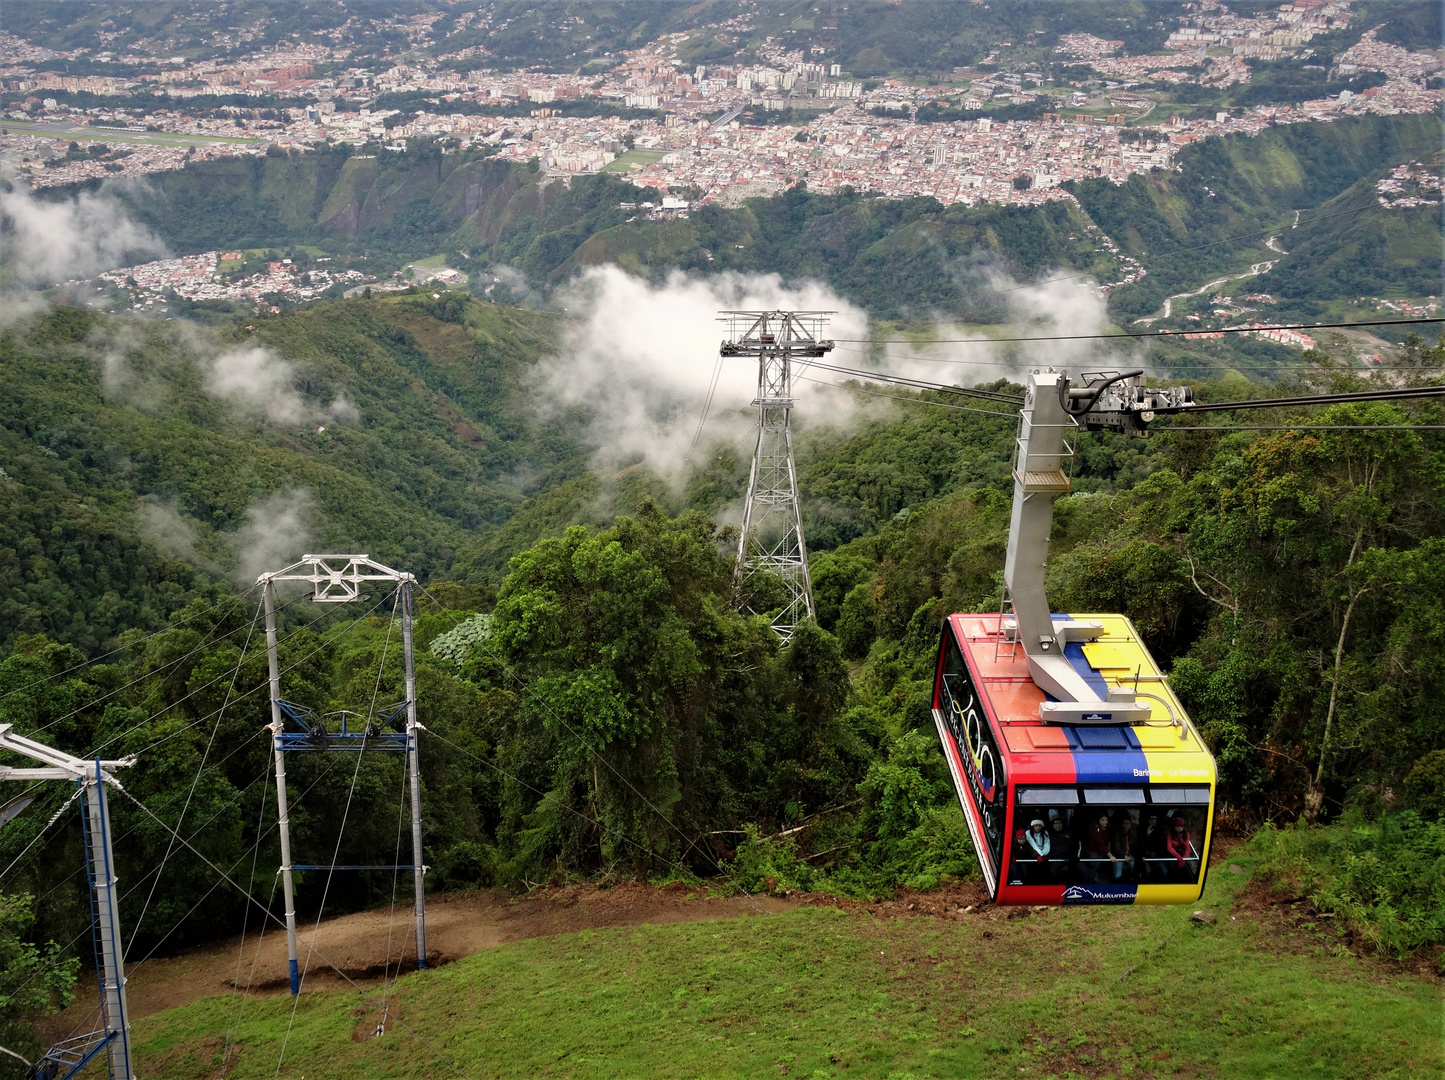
x=772 y=533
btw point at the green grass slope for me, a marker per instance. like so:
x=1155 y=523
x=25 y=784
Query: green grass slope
x=820 y=992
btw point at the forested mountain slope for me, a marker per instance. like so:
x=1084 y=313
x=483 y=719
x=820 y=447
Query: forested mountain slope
x=366 y=425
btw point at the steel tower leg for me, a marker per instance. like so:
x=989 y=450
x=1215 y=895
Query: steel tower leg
x=268 y=592
x=413 y=764
x=107 y=928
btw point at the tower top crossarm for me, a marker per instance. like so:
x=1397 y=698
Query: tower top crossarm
x=336 y=579
x=57 y=764
x=794 y=333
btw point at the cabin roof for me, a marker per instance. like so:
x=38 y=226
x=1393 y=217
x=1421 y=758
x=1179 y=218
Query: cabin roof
x=1116 y=658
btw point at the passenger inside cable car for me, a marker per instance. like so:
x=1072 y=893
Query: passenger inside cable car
x=1104 y=836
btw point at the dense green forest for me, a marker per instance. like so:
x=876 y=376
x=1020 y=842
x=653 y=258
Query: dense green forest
x=895 y=258
x=615 y=713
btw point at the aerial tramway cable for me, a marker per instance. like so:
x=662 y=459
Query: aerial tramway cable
x=121 y=648
x=1137 y=337
x=195 y=780
x=341 y=832
x=277 y=919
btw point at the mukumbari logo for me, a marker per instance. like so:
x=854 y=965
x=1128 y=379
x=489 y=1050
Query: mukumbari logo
x=1084 y=894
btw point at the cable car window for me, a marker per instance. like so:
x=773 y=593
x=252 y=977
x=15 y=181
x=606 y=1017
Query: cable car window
x=1171 y=842
x=1113 y=795
x=1044 y=848
x=1178 y=794
x=982 y=762
x=1046 y=796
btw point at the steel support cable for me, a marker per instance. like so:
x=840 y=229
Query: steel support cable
x=391 y=917
x=124 y=896
x=340 y=837
x=42 y=830
x=549 y=797
x=707 y=403
x=195 y=780
x=121 y=648
x=253 y=851
x=240 y=697
x=1299 y=427
x=263 y=775
x=1154 y=430
x=125 y=835
x=912 y=400
x=613 y=768
x=919 y=384
x=310 y=948
x=245 y=925
x=1165 y=369
x=1140 y=336
x=250 y=979
x=1397 y=394
x=151 y=674
x=248 y=693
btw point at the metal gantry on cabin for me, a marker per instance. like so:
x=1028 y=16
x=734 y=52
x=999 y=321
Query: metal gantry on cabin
x=339 y=579
x=68 y=1057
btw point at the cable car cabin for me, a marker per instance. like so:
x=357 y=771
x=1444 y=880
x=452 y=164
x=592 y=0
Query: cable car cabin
x=1073 y=814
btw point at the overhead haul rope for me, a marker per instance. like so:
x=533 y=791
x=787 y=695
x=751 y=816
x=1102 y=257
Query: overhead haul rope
x=197 y=832
x=158 y=714
x=340 y=833
x=311 y=948
x=151 y=674
x=613 y=768
x=235 y=1022
x=186 y=843
x=391 y=918
x=916 y=401
x=195 y=780
x=1136 y=337
x=121 y=648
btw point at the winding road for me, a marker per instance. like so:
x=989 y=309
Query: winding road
x=1254 y=271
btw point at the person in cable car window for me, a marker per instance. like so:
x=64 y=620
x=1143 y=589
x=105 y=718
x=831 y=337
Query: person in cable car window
x=1096 y=851
x=1059 y=852
x=1180 y=848
x=1039 y=847
x=1022 y=860
x=1152 y=847
x=1120 y=845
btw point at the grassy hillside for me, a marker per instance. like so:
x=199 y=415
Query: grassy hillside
x=822 y=992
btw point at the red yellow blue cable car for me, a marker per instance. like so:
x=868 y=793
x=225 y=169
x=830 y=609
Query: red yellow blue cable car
x=1081 y=778
x=1072 y=814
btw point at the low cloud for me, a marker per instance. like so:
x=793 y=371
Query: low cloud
x=639 y=358
x=276 y=532
x=275 y=535
x=258 y=382
x=44 y=243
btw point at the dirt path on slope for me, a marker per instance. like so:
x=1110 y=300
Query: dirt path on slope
x=367 y=944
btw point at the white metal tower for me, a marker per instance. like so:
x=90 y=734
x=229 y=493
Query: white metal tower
x=772 y=534
x=69 y=1057
x=339 y=579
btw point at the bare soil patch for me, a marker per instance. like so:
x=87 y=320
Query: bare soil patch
x=369 y=945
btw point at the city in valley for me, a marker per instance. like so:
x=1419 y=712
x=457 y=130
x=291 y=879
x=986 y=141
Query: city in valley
x=1012 y=129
